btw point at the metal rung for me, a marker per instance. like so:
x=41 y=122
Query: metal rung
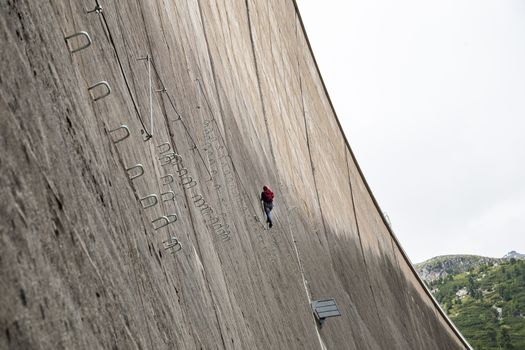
x=100 y=83
x=86 y=44
x=168 y=219
x=182 y=172
x=217 y=224
x=200 y=202
x=166 y=146
x=170 y=196
x=131 y=169
x=169 y=158
x=169 y=177
x=166 y=160
x=207 y=210
x=214 y=221
x=172 y=243
x=149 y=201
x=188 y=182
x=224 y=235
x=203 y=207
x=122 y=138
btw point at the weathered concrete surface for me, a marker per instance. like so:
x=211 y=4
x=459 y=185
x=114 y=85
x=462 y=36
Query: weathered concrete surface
x=81 y=264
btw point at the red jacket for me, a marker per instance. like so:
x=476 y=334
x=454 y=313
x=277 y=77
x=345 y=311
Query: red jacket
x=267 y=195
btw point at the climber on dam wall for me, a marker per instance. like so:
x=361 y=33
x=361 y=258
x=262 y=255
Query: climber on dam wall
x=267 y=199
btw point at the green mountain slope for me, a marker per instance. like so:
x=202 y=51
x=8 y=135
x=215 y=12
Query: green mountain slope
x=486 y=303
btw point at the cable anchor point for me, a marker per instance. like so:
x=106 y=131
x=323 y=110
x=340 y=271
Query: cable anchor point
x=97 y=9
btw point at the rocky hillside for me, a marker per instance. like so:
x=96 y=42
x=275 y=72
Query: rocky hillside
x=445 y=265
x=486 y=303
x=514 y=254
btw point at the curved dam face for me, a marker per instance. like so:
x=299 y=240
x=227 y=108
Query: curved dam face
x=156 y=238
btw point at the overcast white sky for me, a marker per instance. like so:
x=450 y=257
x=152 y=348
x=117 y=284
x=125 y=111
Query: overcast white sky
x=431 y=95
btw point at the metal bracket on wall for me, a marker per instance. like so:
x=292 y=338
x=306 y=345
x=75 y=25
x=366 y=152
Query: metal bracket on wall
x=79 y=34
x=100 y=83
x=224 y=235
x=206 y=209
x=169 y=158
x=324 y=309
x=198 y=200
x=169 y=177
x=166 y=160
x=188 y=181
x=168 y=219
x=163 y=145
x=131 y=170
x=172 y=243
x=182 y=172
x=122 y=138
x=149 y=201
x=169 y=194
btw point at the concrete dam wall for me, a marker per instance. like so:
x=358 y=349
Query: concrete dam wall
x=157 y=240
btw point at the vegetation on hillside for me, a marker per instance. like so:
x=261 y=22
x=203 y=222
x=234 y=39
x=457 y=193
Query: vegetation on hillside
x=486 y=303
